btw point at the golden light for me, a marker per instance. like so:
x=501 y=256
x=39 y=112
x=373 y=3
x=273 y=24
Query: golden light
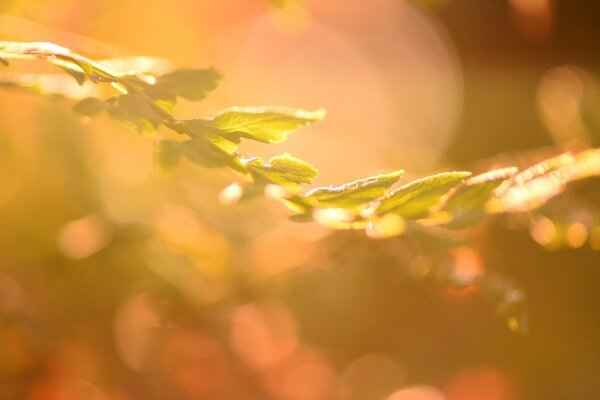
x=263 y=335
x=533 y=18
x=83 y=237
x=386 y=226
x=418 y=393
x=595 y=238
x=482 y=383
x=135 y=328
x=559 y=98
x=314 y=381
x=179 y=227
x=576 y=235
x=370 y=376
x=231 y=194
x=11 y=295
x=276 y=252
x=467 y=265
x=543 y=231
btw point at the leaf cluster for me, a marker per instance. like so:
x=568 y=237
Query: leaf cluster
x=146 y=98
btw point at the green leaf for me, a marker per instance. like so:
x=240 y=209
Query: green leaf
x=90 y=106
x=134 y=109
x=79 y=76
x=415 y=199
x=264 y=124
x=191 y=84
x=167 y=154
x=355 y=194
x=226 y=141
x=284 y=170
x=203 y=152
x=467 y=203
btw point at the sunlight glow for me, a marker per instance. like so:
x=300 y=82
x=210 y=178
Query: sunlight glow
x=83 y=237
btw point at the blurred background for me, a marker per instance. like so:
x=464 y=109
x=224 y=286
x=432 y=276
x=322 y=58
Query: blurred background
x=118 y=284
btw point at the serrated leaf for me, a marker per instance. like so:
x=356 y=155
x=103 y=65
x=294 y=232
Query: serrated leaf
x=90 y=106
x=191 y=84
x=203 y=152
x=355 y=194
x=415 y=199
x=467 y=203
x=264 y=124
x=167 y=154
x=536 y=185
x=134 y=109
x=284 y=170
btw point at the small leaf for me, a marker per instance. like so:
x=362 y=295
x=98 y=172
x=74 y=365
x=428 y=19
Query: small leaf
x=203 y=152
x=167 y=154
x=467 y=203
x=415 y=199
x=134 y=109
x=225 y=140
x=90 y=106
x=4 y=62
x=534 y=186
x=192 y=84
x=284 y=170
x=76 y=74
x=355 y=194
x=264 y=124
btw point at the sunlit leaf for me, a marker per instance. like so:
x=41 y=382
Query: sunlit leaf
x=588 y=163
x=284 y=170
x=134 y=109
x=534 y=186
x=354 y=194
x=264 y=124
x=467 y=203
x=225 y=140
x=203 y=152
x=191 y=84
x=415 y=199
